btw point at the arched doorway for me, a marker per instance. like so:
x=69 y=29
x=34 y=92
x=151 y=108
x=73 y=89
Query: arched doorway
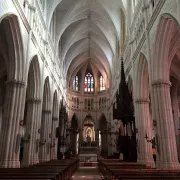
x=74 y=135
x=103 y=136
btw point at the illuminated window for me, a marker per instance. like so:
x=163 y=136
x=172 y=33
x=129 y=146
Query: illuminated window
x=88 y=83
x=102 y=84
x=75 y=83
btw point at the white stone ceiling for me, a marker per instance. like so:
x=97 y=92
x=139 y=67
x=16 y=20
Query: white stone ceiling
x=86 y=29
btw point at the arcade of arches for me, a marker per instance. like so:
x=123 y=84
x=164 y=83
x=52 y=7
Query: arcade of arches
x=60 y=70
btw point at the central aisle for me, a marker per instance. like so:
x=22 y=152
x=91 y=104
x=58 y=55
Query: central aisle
x=87 y=173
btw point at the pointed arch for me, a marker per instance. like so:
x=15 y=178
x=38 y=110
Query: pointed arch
x=34 y=78
x=130 y=84
x=46 y=95
x=74 y=121
x=12 y=39
x=89 y=82
x=55 y=105
x=102 y=122
x=142 y=78
x=166 y=31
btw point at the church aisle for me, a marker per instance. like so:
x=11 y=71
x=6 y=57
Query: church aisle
x=87 y=173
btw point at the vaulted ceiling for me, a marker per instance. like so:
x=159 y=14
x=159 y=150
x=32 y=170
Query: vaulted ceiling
x=86 y=29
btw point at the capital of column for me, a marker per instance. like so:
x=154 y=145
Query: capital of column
x=15 y=83
x=160 y=83
x=55 y=118
x=142 y=101
x=33 y=101
x=45 y=111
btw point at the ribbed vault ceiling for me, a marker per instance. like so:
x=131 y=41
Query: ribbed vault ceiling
x=86 y=29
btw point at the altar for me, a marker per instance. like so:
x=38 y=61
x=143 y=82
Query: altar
x=88 y=152
x=88 y=147
x=88 y=157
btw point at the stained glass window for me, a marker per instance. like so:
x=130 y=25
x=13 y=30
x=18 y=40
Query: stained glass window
x=88 y=83
x=75 y=83
x=102 y=84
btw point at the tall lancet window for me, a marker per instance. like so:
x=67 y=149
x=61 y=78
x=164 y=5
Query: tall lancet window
x=102 y=84
x=89 y=83
x=75 y=83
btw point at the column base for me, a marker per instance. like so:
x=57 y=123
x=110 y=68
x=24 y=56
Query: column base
x=168 y=165
x=43 y=160
x=148 y=163
x=30 y=160
x=10 y=164
x=34 y=161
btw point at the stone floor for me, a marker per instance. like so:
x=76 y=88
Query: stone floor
x=87 y=173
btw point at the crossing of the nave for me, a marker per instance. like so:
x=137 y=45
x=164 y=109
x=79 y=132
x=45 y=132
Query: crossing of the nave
x=89 y=89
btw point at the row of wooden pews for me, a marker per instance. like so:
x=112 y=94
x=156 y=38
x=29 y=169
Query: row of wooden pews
x=118 y=170
x=51 y=170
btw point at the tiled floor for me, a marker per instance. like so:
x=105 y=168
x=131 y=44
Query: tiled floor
x=90 y=173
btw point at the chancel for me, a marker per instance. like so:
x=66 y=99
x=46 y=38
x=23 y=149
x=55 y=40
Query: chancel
x=89 y=89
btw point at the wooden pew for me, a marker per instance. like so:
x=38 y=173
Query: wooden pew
x=116 y=170
x=52 y=170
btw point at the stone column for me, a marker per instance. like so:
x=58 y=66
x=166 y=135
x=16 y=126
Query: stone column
x=31 y=131
x=44 y=153
x=54 y=140
x=144 y=126
x=68 y=139
x=166 y=141
x=175 y=107
x=35 y=158
x=10 y=137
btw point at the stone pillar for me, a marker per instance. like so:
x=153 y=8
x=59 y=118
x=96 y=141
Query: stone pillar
x=68 y=139
x=166 y=141
x=31 y=131
x=175 y=107
x=44 y=153
x=144 y=126
x=54 y=140
x=10 y=137
x=36 y=134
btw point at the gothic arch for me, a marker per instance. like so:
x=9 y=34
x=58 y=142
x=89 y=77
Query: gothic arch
x=47 y=95
x=142 y=111
x=74 y=121
x=91 y=116
x=31 y=114
x=74 y=133
x=55 y=110
x=102 y=122
x=130 y=84
x=103 y=135
x=9 y=24
x=34 y=79
x=141 y=84
x=166 y=46
x=46 y=123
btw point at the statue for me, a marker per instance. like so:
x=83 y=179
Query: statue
x=88 y=137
